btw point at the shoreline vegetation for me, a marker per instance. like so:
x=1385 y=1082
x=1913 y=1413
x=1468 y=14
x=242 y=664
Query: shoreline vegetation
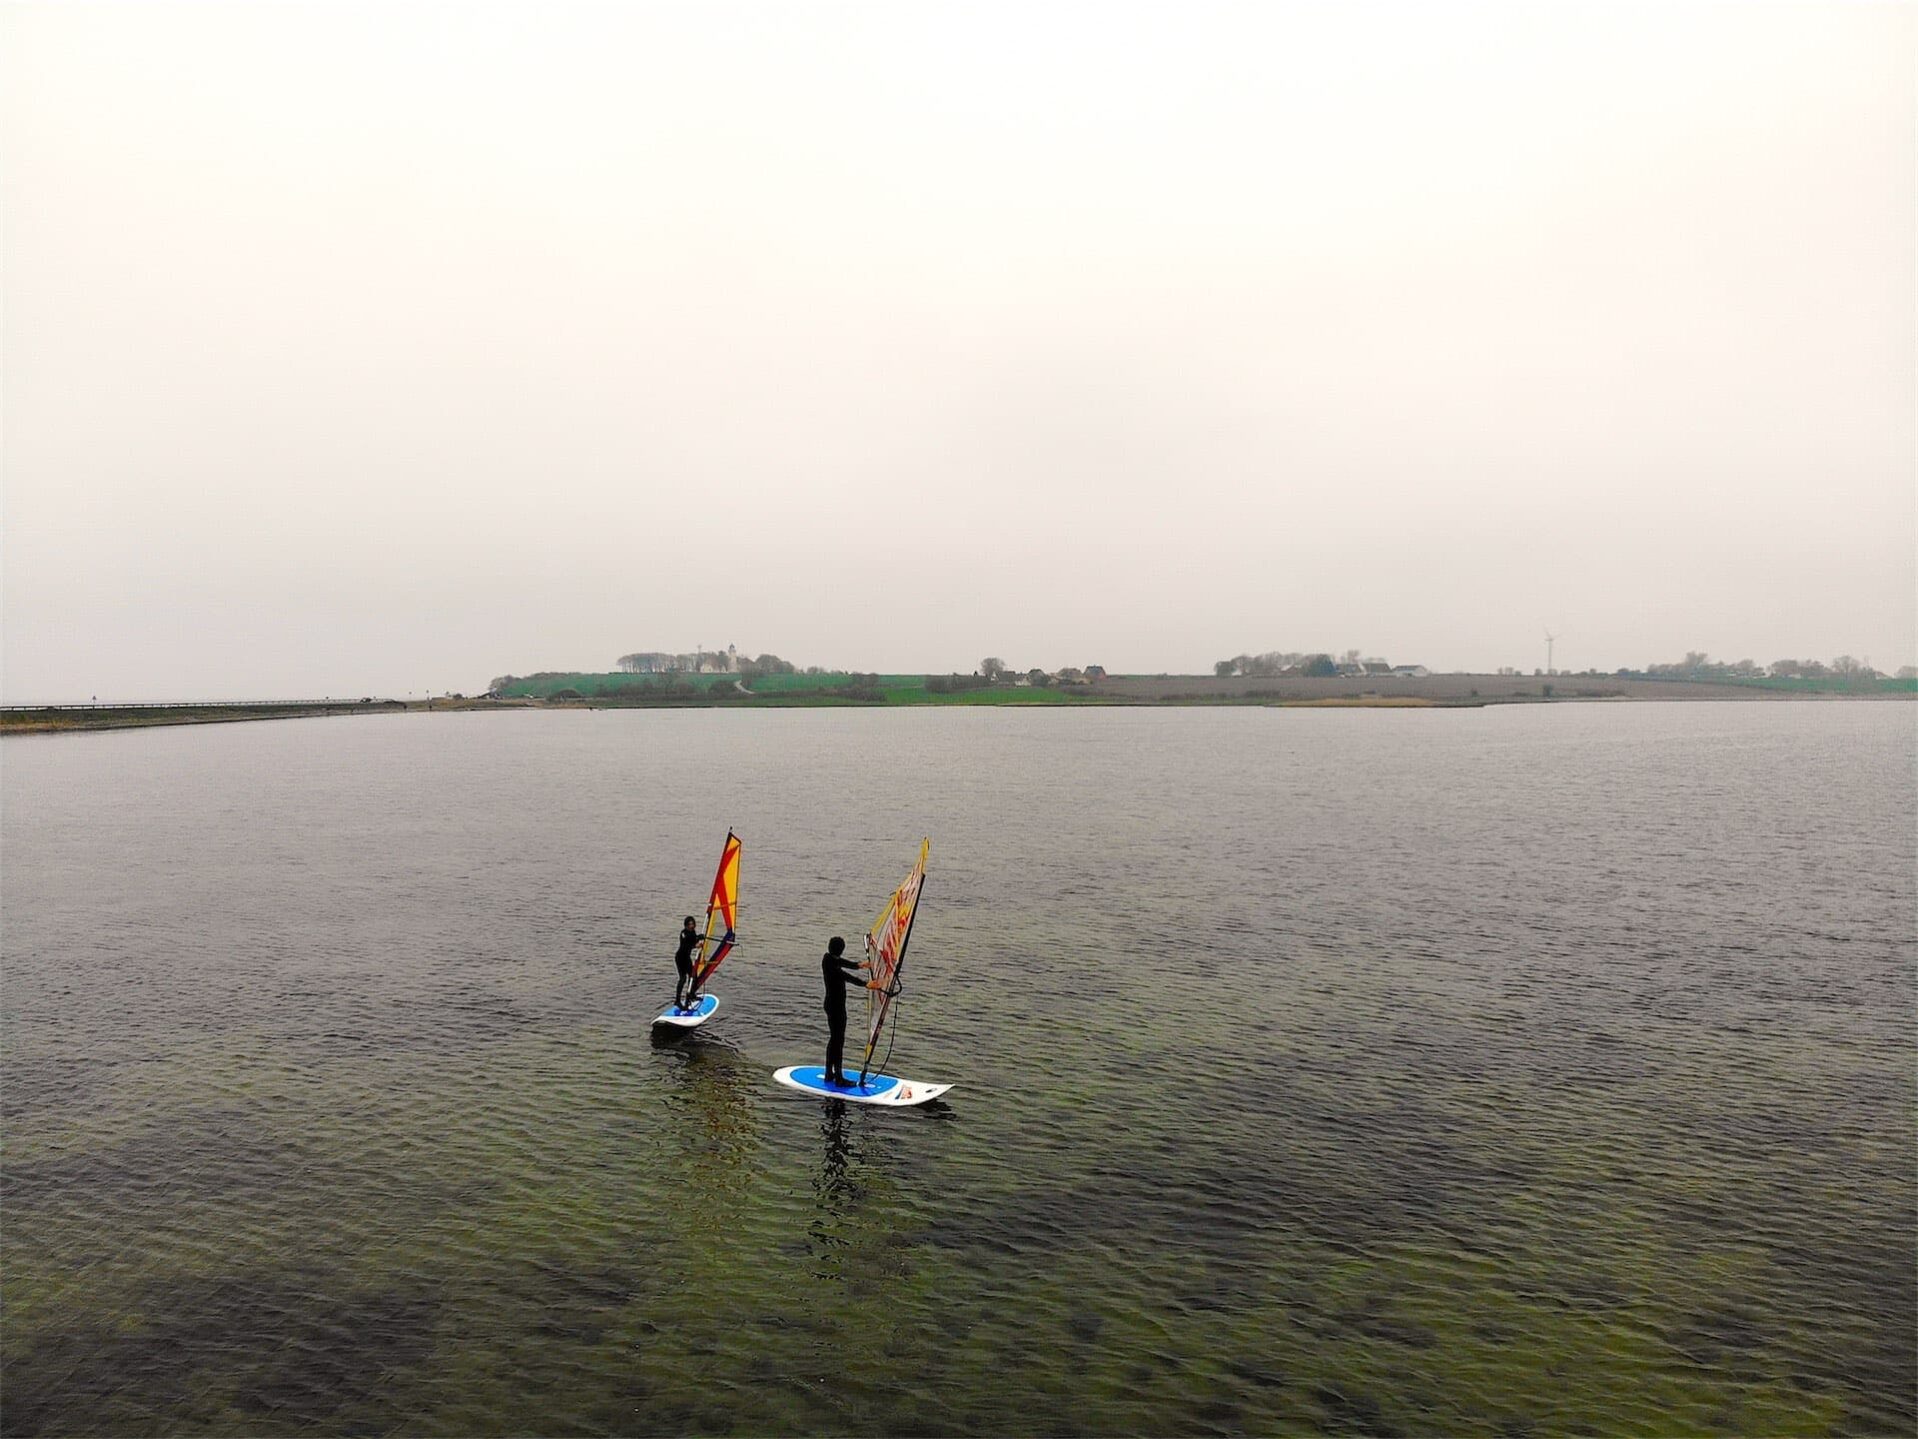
x=847 y=689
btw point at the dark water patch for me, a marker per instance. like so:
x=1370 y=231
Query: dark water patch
x=1722 y=1335
x=229 y=1152
x=452 y=1021
x=276 y=1345
x=1219 y=1415
x=1258 y=1375
x=253 y=1173
x=1233 y=1206
x=1213 y=1207
x=327 y=1368
x=582 y=1307
x=1590 y=1292
x=1085 y=1325
x=1373 y=1324
x=1354 y=1412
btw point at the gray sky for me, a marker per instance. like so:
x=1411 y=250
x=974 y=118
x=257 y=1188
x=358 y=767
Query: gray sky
x=388 y=348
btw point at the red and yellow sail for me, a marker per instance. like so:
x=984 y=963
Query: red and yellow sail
x=722 y=913
x=886 y=947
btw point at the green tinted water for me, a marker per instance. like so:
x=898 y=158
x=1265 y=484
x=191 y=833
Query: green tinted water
x=1483 y=1072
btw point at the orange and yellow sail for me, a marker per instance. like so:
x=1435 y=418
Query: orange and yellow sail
x=886 y=947
x=722 y=913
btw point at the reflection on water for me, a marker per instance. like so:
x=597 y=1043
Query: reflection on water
x=835 y=1187
x=709 y=1088
x=836 y=1190
x=1541 y=1071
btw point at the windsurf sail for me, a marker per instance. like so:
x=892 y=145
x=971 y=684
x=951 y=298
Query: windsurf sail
x=886 y=951
x=722 y=914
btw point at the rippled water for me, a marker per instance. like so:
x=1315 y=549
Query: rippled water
x=1514 y=1071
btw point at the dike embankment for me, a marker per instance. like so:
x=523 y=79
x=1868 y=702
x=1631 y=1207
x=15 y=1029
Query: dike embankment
x=1344 y=692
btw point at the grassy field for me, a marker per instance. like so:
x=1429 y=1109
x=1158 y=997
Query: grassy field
x=546 y=685
x=1831 y=686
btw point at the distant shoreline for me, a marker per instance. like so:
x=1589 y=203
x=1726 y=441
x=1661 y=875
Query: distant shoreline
x=64 y=719
x=1119 y=691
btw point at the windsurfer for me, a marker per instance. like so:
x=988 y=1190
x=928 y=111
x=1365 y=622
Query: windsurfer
x=686 y=992
x=838 y=971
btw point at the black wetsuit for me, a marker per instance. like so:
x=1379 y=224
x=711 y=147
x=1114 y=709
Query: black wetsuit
x=839 y=971
x=683 y=961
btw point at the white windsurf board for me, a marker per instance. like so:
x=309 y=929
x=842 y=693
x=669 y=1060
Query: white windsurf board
x=690 y=1018
x=887 y=1089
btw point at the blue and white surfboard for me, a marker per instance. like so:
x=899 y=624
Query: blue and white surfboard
x=878 y=1088
x=690 y=1018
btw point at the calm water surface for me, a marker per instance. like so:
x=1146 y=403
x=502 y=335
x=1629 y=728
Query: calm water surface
x=1518 y=1071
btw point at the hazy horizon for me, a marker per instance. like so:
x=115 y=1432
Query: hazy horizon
x=384 y=349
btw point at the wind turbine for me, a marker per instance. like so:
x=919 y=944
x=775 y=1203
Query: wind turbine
x=1549 y=637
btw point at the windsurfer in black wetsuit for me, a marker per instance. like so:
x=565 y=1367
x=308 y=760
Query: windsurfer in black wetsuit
x=839 y=971
x=686 y=992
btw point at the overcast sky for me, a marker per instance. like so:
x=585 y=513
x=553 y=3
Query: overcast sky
x=388 y=348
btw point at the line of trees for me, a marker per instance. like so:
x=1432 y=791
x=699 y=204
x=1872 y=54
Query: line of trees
x=1697 y=665
x=720 y=661
x=994 y=671
x=750 y=670
x=1281 y=662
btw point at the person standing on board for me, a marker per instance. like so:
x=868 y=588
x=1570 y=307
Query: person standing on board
x=838 y=971
x=686 y=992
